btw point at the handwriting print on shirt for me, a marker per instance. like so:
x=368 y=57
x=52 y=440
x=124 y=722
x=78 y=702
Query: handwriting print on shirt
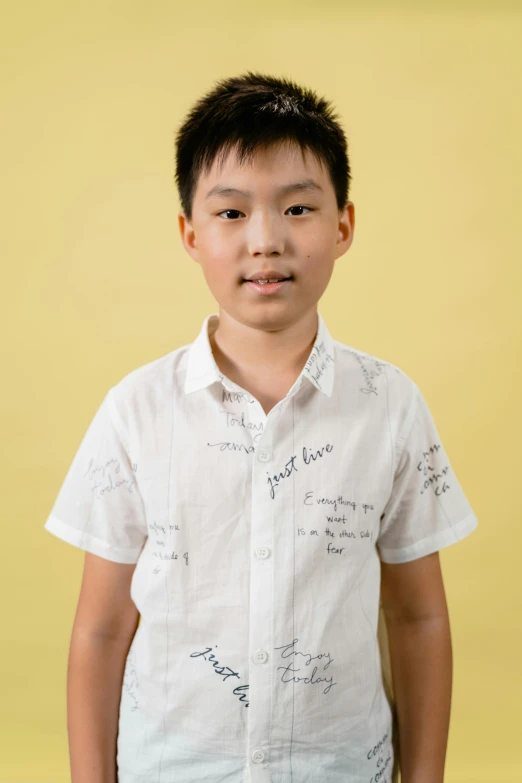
x=106 y=476
x=318 y=362
x=370 y=368
x=228 y=445
x=234 y=419
x=130 y=681
x=430 y=476
x=158 y=536
x=307 y=459
x=354 y=514
x=294 y=661
x=382 y=757
x=223 y=671
x=236 y=396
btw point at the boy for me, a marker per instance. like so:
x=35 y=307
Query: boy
x=249 y=502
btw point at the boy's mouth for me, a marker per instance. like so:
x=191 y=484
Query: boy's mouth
x=267 y=288
x=267 y=281
x=270 y=278
x=267 y=276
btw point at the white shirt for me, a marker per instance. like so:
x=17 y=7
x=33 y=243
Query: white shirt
x=257 y=541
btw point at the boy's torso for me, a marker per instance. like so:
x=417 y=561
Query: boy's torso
x=259 y=581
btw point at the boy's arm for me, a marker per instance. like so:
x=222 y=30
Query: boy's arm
x=419 y=637
x=105 y=623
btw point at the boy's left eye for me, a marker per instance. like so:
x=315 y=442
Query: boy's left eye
x=300 y=207
x=240 y=213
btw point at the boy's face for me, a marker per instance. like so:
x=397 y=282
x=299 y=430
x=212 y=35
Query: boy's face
x=234 y=236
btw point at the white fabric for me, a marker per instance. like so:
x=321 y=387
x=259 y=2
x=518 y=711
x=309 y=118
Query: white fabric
x=257 y=541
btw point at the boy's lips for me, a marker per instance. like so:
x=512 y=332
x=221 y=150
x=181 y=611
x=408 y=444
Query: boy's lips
x=269 y=274
x=267 y=288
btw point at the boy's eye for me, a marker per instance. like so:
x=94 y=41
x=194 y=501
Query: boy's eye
x=301 y=207
x=237 y=212
x=229 y=210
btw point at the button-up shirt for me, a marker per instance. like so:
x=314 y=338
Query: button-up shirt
x=258 y=540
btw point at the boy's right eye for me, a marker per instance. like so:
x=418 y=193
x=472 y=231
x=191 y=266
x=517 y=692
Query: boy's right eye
x=230 y=210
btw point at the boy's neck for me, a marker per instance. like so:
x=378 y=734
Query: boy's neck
x=244 y=352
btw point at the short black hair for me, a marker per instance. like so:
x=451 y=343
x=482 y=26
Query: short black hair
x=255 y=111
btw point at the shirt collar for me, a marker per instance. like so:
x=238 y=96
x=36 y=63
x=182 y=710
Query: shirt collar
x=202 y=369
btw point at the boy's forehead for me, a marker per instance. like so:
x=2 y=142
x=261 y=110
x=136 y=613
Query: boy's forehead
x=289 y=162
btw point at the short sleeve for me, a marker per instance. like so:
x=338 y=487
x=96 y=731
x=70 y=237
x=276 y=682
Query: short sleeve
x=427 y=509
x=99 y=507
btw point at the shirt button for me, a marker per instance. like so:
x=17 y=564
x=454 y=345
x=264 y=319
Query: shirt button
x=263 y=456
x=262 y=552
x=260 y=656
x=258 y=755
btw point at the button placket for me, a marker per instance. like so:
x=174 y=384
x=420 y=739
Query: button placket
x=261 y=599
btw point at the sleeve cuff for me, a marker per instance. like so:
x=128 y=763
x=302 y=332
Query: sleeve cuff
x=431 y=543
x=89 y=543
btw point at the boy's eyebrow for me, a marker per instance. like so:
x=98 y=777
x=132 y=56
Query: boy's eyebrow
x=302 y=185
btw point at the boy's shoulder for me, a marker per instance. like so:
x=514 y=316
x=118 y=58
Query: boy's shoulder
x=150 y=383
x=376 y=375
x=155 y=370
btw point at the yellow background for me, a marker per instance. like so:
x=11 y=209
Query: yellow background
x=96 y=282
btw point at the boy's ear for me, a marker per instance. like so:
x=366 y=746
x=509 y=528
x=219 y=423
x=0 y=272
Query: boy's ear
x=188 y=236
x=346 y=229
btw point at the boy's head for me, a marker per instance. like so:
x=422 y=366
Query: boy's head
x=258 y=134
